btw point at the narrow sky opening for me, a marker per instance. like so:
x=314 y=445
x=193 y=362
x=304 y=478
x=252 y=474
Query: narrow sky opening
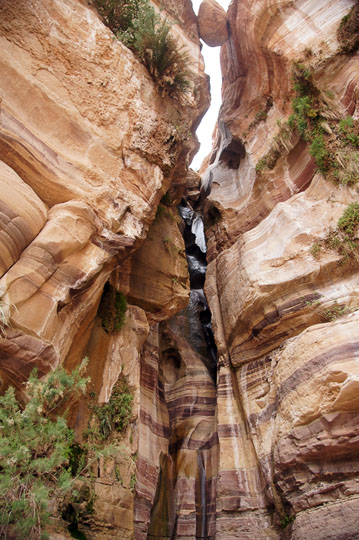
x=213 y=68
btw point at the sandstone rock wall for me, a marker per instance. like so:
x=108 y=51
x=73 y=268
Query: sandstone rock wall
x=88 y=148
x=284 y=302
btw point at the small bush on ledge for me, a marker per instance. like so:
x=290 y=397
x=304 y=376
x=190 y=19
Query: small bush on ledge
x=112 y=309
x=113 y=416
x=140 y=28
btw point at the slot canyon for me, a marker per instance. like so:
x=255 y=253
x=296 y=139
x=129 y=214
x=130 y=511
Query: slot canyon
x=223 y=302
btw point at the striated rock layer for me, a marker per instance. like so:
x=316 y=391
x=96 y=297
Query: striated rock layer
x=88 y=148
x=93 y=161
x=178 y=430
x=284 y=300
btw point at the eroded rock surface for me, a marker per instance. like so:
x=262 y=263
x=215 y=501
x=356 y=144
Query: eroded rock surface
x=88 y=148
x=178 y=431
x=284 y=301
x=93 y=162
x=212 y=23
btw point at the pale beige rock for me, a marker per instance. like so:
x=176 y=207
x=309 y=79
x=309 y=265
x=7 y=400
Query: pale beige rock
x=90 y=147
x=111 y=356
x=256 y=306
x=86 y=130
x=22 y=215
x=156 y=277
x=89 y=133
x=60 y=264
x=212 y=23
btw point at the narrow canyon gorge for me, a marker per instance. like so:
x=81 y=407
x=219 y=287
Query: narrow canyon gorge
x=224 y=302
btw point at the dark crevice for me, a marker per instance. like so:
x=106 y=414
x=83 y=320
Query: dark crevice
x=195 y=245
x=232 y=154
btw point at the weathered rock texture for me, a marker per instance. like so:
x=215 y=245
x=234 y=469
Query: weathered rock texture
x=177 y=407
x=285 y=315
x=88 y=148
x=212 y=23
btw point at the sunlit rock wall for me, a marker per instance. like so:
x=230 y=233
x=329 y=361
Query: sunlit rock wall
x=88 y=148
x=284 y=303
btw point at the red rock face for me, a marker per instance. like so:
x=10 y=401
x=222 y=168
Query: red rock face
x=88 y=148
x=285 y=316
x=212 y=23
x=178 y=444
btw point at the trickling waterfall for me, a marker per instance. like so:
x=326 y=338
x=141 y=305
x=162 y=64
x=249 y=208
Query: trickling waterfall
x=199 y=313
x=184 y=504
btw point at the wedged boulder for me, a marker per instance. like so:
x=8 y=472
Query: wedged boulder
x=212 y=23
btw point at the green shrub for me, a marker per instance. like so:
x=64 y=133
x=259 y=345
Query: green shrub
x=348 y=179
x=343 y=238
x=303 y=80
x=261 y=164
x=329 y=314
x=315 y=250
x=335 y=312
x=349 y=221
x=304 y=110
x=347 y=33
x=166 y=199
x=112 y=309
x=345 y=124
x=133 y=480
x=141 y=29
x=320 y=153
x=119 y=14
x=34 y=452
x=160 y=212
x=261 y=115
x=287 y=520
x=116 y=414
x=349 y=128
x=158 y=50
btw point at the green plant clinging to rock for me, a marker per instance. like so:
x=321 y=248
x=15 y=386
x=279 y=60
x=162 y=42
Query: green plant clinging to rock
x=349 y=222
x=34 y=452
x=112 y=309
x=116 y=414
x=344 y=238
x=140 y=28
x=332 y=140
x=119 y=14
x=348 y=31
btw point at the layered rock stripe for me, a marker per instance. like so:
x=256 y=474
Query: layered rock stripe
x=87 y=153
x=285 y=316
x=88 y=148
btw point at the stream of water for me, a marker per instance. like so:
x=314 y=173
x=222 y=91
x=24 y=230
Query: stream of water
x=199 y=312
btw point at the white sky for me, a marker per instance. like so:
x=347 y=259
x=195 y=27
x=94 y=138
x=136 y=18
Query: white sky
x=211 y=59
